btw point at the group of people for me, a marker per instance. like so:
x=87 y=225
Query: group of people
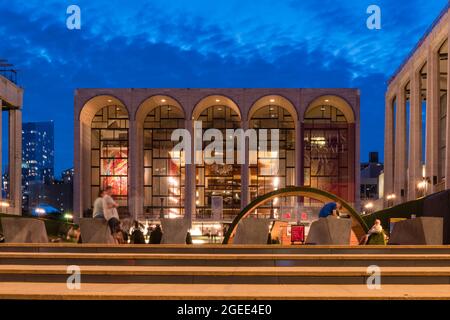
x=333 y=208
x=106 y=208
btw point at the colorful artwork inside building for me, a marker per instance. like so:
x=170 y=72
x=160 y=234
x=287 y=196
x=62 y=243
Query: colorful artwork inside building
x=115 y=170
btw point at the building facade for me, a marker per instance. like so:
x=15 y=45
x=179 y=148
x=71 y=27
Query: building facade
x=38 y=152
x=11 y=97
x=123 y=139
x=417 y=128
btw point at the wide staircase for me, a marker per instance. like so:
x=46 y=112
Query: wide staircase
x=30 y=271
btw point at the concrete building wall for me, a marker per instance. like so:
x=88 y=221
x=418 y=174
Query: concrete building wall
x=11 y=97
x=138 y=101
x=404 y=178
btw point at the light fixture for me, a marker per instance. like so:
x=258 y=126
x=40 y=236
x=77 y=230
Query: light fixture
x=163 y=100
x=217 y=100
x=369 y=205
x=272 y=100
x=109 y=100
x=326 y=100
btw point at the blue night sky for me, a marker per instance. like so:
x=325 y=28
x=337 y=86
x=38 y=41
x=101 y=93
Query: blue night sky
x=233 y=43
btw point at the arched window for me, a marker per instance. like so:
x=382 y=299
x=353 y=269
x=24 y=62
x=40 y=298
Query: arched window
x=164 y=171
x=262 y=179
x=109 y=152
x=218 y=186
x=327 y=150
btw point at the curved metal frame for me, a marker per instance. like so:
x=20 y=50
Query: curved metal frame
x=359 y=227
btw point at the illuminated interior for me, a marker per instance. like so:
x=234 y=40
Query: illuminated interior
x=164 y=171
x=264 y=177
x=218 y=185
x=109 y=152
x=326 y=150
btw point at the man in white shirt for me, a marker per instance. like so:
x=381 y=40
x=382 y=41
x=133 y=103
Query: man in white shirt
x=110 y=212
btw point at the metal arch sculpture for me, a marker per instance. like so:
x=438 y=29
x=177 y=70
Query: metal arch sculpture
x=359 y=227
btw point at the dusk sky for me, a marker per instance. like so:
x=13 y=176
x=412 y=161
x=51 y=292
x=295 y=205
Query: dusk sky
x=233 y=43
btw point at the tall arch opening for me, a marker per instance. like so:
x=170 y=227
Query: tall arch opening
x=218 y=186
x=273 y=112
x=329 y=148
x=442 y=113
x=105 y=122
x=163 y=170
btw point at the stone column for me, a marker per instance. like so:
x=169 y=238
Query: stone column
x=134 y=184
x=432 y=129
x=415 y=136
x=15 y=159
x=400 y=147
x=189 y=186
x=298 y=154
x=245 y=194
x=447 y=133
x=1 y=147
x=389 y=146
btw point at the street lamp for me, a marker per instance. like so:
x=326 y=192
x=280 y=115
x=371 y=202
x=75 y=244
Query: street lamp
x=391 y=198
x=422 y=186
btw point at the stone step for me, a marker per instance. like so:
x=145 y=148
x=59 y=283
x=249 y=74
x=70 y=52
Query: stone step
x=140 y=291
x=219 y=292
x=225 y=275
x=226 y=260
x=222 y=249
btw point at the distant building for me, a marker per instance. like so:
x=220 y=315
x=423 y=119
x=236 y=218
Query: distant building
x=57 y=194
x=38 y=153
x=67 y=175
x=370 y=173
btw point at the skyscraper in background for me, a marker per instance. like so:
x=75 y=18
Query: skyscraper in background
x=38 y=152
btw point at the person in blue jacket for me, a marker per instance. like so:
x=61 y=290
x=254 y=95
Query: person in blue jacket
x=330 y=209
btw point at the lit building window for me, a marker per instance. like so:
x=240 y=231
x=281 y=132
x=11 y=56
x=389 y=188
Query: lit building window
x=164 y=171
x=109 y=152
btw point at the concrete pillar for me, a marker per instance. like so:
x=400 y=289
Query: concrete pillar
x=299 y=154
x=15 y=159
x=447 y=132
x=432 y=129
x=245 y=171
x=400 y=147
x=135 y=187
x=190 y=186
x=1 y=148
x=415 y=136
x=389 y=146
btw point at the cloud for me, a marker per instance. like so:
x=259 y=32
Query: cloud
x=206 y=44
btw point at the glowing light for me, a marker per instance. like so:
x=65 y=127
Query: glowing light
x=276 y=183
x=369 y=205
x=163 y=100
x=272 y=100
x=68 y=216
x=4 y=204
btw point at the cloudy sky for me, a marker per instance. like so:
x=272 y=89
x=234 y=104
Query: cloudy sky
x=207 y=43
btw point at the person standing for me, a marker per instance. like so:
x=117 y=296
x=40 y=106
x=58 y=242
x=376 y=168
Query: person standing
x=97 y=212
x=111 y=214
